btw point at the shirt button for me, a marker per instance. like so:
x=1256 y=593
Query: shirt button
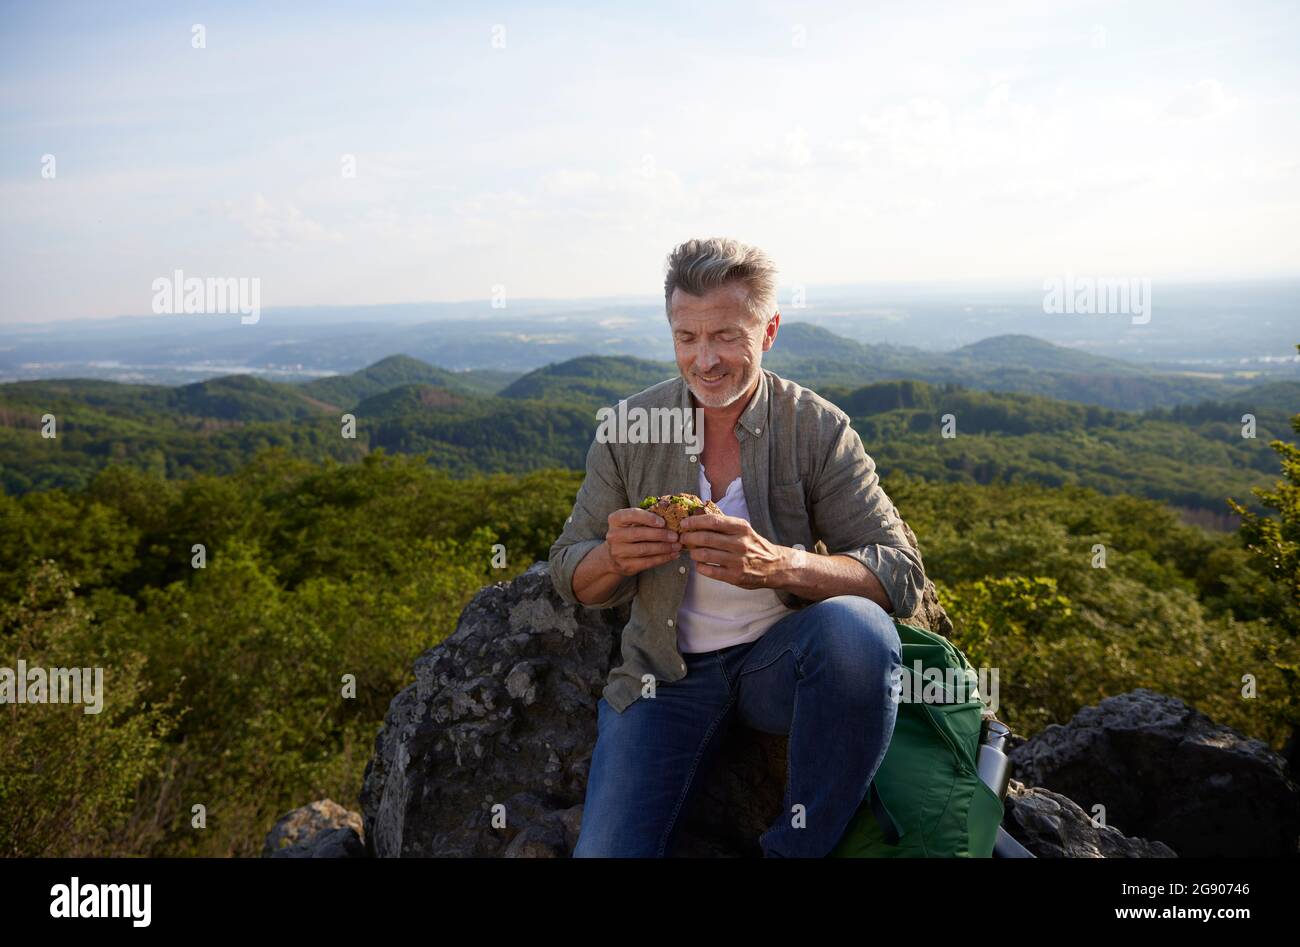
x=670 y=623
x=692 y=458
x=681 y=569
x=758 y=430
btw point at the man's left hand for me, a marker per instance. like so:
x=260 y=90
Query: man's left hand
x=726 y=548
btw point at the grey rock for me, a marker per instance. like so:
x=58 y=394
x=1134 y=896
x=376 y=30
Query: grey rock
x=1165 y=771
x=1052 y=826
x=487 y=753
x=322 y=829
x=501 y=714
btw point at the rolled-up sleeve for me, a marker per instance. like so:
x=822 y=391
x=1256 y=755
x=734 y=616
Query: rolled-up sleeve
x=856 y=518
x=602 y=492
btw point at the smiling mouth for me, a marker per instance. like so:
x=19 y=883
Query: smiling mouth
x=711 y=379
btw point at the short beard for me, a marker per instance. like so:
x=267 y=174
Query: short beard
x=741 y=388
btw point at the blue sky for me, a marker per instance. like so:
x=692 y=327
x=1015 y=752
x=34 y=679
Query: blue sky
x=912 y=141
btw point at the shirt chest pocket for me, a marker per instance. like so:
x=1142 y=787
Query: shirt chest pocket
x=790 y=515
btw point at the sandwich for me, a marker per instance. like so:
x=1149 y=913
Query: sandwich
x=677 y=506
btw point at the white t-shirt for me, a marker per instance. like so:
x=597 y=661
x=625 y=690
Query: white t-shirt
x=716 y=614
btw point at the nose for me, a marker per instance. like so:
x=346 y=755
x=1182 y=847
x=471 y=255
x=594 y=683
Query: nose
x=706 y=360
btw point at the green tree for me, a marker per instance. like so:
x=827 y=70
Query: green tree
x=1275 y=544
x=68 y=778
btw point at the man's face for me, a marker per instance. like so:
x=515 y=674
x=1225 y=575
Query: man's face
x=719 y=345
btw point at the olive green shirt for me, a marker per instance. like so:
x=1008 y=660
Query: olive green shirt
x=808 y=484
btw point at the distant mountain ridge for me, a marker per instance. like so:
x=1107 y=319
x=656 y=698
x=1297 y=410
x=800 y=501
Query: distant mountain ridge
x=1027 y=351
x=1190 y=454
x=816 y=357
x=1199 y=327
x=593 y=380
x=230 y=397
x=351 y=389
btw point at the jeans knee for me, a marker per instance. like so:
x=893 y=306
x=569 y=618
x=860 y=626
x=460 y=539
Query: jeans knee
x=857 y=635
x=859 y=618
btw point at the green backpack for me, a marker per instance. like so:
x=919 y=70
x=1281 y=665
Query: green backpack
x=926 y=799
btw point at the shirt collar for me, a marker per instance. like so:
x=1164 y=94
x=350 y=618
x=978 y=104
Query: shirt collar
x=752 y=418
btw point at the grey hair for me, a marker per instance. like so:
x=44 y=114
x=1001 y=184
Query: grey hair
x=698 y=266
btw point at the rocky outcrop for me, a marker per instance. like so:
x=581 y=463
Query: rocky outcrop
x=1053 y=826
x=1165 y=771
x=487 y=753
x=322 y=829
x=495 y=735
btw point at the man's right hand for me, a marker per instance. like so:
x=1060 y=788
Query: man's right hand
x=638 y=540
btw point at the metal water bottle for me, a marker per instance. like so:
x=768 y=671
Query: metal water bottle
x=994 y=767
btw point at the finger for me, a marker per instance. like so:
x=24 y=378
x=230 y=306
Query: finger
x=634 y=516
x=641 y=534
x=701 y=539
x=721 y=573
x=711 y=521
x=645 y=550
x=712 y=557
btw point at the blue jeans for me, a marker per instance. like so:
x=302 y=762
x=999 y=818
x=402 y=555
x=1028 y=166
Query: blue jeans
x=822 y=674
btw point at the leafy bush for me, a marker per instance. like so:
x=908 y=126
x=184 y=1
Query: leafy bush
x=226 y=682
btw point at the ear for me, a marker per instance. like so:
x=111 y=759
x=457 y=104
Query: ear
x=769 y=330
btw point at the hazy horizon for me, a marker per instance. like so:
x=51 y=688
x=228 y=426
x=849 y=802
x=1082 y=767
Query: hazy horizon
x=815 y=296
x=1203 y=325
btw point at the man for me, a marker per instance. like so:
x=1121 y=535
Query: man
x=728 y=620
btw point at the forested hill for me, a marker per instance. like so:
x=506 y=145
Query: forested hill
x=225 y=678
x=1191 y=455
x=590 y=380
x=226 y=671
x=347 y=390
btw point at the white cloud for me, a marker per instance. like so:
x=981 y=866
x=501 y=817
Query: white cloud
x=267 y=222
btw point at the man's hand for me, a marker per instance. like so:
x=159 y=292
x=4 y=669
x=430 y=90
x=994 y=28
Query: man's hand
x=726 y=548
x=746 y=559
x=638 y=540
x=635 y=540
